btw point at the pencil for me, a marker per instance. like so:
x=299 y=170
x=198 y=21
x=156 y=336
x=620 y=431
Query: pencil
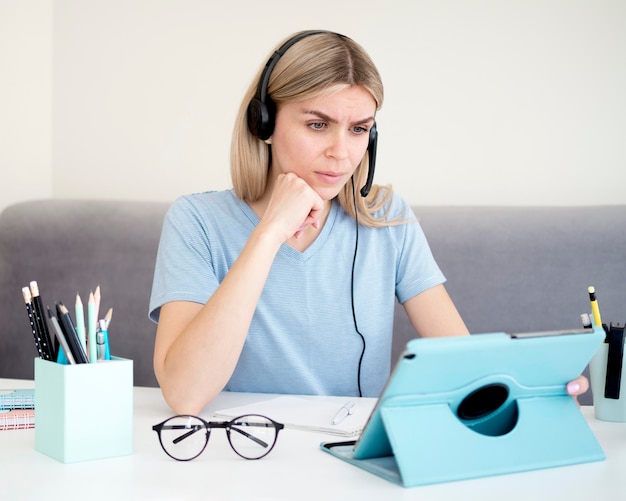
x=46 y=342
x=108 y=317
x=80 y=322
x=594 y=306
x=67 y=326
x=31 y=318
x=97 y=298
x=91 y=329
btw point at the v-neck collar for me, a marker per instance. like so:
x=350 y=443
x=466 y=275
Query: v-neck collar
x=285 y=248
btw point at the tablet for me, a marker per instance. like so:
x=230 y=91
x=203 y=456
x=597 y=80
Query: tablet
x=470 y=406
x=480 y=376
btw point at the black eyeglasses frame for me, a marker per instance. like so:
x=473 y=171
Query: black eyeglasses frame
x=229 y=426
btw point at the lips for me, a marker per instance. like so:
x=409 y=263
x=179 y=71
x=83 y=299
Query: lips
x=330 y=177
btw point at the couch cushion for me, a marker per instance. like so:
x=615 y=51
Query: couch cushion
x=71 y=246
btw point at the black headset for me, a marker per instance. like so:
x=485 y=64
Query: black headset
x=261 y=112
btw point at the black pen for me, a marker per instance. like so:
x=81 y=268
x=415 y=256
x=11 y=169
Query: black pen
x=31 y=317
x=67 y=326
x=46 y=343
x=61 y=337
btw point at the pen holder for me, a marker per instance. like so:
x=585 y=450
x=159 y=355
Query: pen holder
x=608 y=382
x=84 y=411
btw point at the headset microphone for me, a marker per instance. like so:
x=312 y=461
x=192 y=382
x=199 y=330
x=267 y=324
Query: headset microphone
x=371 y=155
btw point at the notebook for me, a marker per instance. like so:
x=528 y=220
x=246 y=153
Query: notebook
x=17 y=419
x=17 y=399
x=470 y=406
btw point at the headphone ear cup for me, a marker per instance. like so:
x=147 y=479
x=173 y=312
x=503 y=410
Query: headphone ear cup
x=261 y=112
x=261 y=118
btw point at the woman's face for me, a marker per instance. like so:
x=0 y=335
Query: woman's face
x=323 y=139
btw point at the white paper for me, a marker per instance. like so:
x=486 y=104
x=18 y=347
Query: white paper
x=314 y=413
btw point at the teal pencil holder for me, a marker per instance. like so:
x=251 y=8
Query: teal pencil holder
x=84 y=411
x=605 y=408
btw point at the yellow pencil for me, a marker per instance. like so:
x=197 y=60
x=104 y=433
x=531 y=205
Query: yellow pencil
x=597 y=320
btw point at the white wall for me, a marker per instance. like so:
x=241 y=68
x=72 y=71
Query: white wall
x=25 y=100
x=517 y=102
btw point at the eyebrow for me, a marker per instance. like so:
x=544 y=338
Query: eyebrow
x=328 y=118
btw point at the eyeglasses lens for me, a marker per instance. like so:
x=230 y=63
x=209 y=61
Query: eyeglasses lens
x=251 y=436
x=184 y=437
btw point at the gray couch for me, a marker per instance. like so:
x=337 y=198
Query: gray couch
x=509 y=269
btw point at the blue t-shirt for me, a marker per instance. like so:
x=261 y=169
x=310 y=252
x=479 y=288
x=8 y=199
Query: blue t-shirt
x=302 y=339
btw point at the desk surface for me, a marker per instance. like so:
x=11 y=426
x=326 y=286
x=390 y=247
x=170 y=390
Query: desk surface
x=296 y=468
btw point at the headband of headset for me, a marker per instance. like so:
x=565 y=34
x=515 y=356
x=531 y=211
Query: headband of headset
x=262 y=110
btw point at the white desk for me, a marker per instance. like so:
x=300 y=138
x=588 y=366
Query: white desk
x=295 y=469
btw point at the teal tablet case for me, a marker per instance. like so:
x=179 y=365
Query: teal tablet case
x=472 y=406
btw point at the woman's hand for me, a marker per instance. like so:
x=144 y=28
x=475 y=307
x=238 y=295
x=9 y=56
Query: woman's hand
x=293 y=206
x=577 y=387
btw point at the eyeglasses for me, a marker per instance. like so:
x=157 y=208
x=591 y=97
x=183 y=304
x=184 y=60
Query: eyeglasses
x=251 y=436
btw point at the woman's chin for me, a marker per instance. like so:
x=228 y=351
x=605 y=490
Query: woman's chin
x=326 y=193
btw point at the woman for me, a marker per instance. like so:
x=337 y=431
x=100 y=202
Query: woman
x=287 y=283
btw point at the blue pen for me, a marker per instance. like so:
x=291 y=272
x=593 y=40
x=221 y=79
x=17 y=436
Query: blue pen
x=104 y=352
x=100 y=345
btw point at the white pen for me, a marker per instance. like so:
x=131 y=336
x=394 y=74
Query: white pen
x=344 y=412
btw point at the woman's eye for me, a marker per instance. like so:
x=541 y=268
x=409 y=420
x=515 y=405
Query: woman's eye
x=359 y=130
x=317 y=125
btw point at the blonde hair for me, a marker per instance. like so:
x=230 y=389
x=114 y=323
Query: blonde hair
x=306 y=70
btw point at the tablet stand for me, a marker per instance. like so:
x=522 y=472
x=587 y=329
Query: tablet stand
x=430 y=444
x=505 y=412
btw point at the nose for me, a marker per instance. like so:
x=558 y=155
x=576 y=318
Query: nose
x=338 y=146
